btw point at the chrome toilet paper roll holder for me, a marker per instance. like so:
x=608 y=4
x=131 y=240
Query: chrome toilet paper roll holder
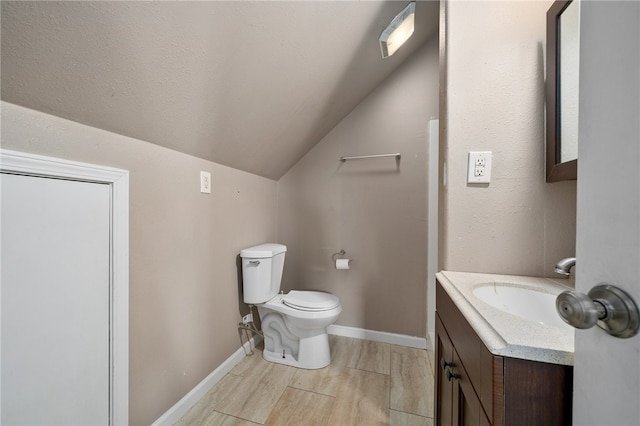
x=340 y=253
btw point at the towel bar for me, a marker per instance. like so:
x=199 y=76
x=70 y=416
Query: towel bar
x=361 y=157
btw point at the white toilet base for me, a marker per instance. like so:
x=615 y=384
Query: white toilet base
x=295 y=337
x=313 y=353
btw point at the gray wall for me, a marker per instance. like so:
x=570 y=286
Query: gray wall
x=184 y=296
x=373 y=209
x=494 y=94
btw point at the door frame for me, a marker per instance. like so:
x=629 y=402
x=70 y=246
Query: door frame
x=49 y=167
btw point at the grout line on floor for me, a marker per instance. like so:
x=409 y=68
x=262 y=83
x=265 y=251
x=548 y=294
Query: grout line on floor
x=310 y=391
x=368 y=371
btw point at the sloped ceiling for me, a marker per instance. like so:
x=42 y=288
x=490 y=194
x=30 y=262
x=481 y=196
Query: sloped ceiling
x=251 y=85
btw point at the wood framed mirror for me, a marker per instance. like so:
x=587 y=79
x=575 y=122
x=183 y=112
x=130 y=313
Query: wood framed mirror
x=563 y=53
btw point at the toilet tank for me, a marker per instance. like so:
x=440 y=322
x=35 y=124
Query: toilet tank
x=262 y=272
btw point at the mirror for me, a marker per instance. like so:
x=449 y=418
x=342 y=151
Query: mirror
x=563 y=66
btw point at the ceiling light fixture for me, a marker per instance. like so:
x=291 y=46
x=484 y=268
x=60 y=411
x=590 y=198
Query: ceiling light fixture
x=398 y=31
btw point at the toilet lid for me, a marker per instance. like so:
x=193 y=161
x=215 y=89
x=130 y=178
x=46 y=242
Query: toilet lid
x=311 y=300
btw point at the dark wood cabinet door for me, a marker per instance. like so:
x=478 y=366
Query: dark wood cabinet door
x=444 y=388
x=467 y=410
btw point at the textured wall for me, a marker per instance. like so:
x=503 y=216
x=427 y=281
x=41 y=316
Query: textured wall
x=518 y=224
x=184 y=294
x=373 y=209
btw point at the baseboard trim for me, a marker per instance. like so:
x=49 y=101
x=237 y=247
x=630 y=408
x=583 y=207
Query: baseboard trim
x=181 y=407
x=379 y=336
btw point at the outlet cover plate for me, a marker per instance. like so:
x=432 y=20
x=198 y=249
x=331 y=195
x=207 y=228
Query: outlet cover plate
x=479 y=167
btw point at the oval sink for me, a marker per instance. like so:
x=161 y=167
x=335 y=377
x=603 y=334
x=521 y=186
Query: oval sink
x=523 y=302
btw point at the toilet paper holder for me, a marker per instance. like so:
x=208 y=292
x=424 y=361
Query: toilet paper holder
x=341 y=263
x=340 y=253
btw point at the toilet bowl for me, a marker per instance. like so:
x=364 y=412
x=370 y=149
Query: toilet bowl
x=294 y=324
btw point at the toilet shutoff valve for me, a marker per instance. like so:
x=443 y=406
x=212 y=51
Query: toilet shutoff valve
x=247 y=319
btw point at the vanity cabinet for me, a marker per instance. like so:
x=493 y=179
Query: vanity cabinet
x=475 y=387
x=458 y=403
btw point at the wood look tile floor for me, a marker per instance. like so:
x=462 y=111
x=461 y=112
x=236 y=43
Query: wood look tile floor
x=367 y=383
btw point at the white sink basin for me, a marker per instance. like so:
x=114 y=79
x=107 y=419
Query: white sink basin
x=527 y=303
x=514 y=316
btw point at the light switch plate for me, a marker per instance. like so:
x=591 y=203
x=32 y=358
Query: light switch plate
x=479 y=167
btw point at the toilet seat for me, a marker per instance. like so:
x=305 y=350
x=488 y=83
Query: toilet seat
x=310 y=300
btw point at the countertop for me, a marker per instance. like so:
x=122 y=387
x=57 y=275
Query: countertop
x=505 y=334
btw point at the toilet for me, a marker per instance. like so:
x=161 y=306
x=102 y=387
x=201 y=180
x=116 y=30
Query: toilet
x=294 y=324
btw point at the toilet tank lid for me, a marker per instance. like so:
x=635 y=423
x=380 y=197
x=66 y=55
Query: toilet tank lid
x=263 y=251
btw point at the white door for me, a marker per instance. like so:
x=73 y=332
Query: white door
x=607 y=369
x=55 y=238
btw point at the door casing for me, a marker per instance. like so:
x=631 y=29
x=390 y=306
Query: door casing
x=37 y=165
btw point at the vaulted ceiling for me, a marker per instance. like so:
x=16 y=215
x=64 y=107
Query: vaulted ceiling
x=251 y=85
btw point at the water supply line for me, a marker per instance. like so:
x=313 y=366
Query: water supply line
x=248 y=325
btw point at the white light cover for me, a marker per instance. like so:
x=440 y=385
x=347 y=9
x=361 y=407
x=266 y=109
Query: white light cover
x=398 y=31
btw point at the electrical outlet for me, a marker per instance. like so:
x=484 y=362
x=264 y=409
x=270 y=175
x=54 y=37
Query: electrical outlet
x=247 y=319
x=479 y=167
x=205 y=182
